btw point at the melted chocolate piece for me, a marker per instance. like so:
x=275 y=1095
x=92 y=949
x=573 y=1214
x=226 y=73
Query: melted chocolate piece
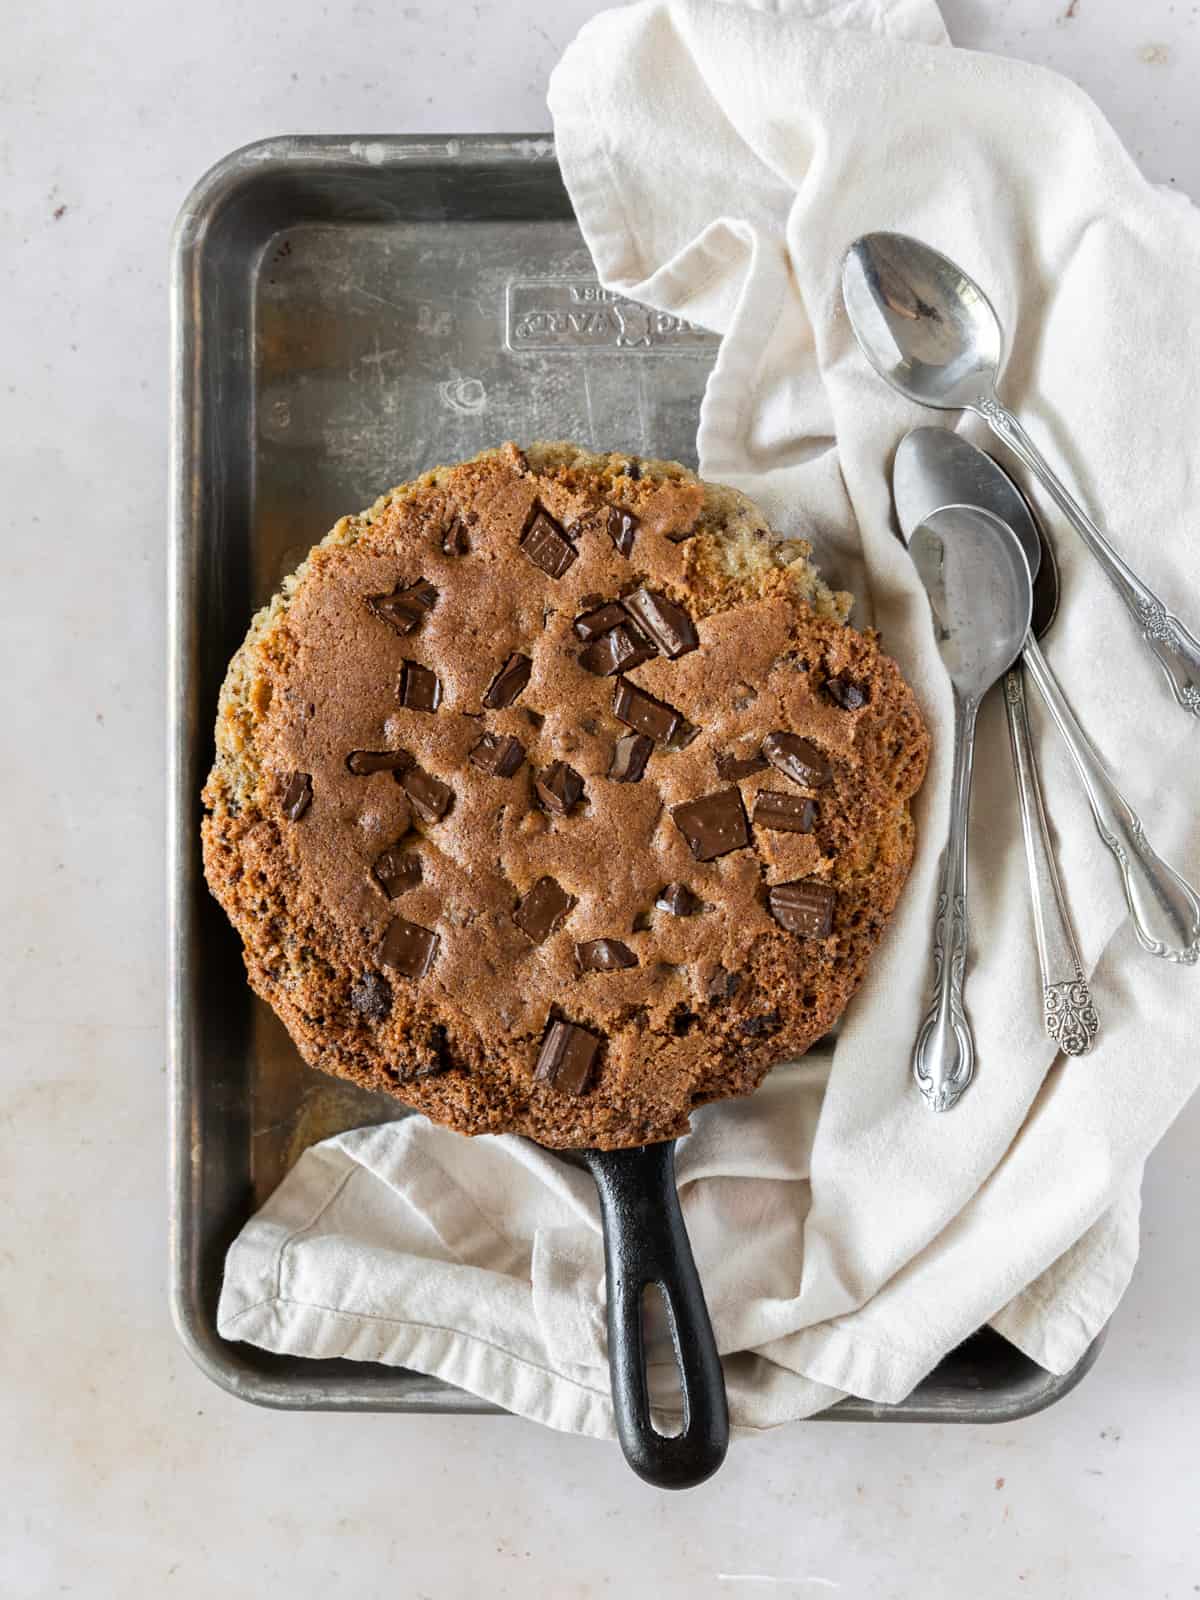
x=371 y=997
x=559 y=788
x=678 y=899
x=764 y=1024
x=622 y=525
x=408 y=948
x=509 y=682
x=713 y=825
x=733 y=768
x=363 y=762
x=420 y=689
x=397 y=871
x=804 y=907
x=407 y=605
x=619 y=650
x=604 y=955
x=668 y=624
x=630 y=755
x=454 y=538
x=297 y=797
x=846 y=693
x=785 y=813
x=568 y=1057
x=543 y=909
x=592 y=624
x=547 y=546
x=798 y=760
x=430 y=795
x=643 y=713
x=680 y=534
x=497 y=755
x=722 y=984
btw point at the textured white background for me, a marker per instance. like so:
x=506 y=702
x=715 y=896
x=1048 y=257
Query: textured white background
x=122 y=1470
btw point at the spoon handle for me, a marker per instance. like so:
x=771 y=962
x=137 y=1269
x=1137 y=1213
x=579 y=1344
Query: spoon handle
x=1164 y=908
x=944 y=1054
x=1067 y=1007
x=1178 y=652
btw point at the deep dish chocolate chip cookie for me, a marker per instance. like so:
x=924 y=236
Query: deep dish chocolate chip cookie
x=553 y=795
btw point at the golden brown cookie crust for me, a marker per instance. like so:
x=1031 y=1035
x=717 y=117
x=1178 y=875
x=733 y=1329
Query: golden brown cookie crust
x=384 y=912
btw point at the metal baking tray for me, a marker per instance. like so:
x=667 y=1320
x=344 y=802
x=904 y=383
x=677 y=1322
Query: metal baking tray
x=345 y=314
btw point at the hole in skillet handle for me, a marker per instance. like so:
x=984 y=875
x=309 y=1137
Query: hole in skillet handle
x=645 y=1242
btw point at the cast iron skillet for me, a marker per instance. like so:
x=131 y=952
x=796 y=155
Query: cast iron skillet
x=645 y=1243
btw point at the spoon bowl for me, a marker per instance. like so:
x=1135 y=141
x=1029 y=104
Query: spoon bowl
x=935 y=468
x=925 y=326
x=977 y=579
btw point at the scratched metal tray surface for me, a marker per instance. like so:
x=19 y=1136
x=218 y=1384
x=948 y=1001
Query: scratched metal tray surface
x=345 y=314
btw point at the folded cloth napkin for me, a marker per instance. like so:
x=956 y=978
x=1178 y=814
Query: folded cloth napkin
x=720 y=159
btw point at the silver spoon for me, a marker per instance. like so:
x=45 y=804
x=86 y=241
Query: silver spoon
x=934 y=466
x=931 y=332
x=981 y=597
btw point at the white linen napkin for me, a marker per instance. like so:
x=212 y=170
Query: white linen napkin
x=720 y=159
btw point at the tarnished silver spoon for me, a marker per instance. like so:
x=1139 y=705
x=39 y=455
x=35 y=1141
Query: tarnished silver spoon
x=981 y=598
x=932 y=465
x=931 y=332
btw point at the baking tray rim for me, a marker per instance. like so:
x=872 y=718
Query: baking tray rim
x=217 y=1358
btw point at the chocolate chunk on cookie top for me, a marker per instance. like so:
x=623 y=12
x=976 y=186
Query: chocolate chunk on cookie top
x=553 y=795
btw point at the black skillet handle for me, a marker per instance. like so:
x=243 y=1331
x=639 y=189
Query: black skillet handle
x=645 y=1242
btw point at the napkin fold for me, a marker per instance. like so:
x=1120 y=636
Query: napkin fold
x=720 y=159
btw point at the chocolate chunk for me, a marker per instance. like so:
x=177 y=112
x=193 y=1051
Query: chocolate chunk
x=622 y=525
x=785 y=813
x=798 y=760
x=592 y=624
x=430 y=795
x=420 y=689
x=733 y=768
x=683 y=1021
x=408 y=948
x=547 y=546
x=568 y=1057
x=397 y=871
x=435 y=1057
x=846 y=693
x=497 y=755
x=604 y=955
x=723 y=984
x=619 y=650
x=630 y=755
x=543 y=909
x=406 y=606
x=508 y=682
x=713 y=825
x=678 y=535
x=668 y=624
x=559 y=788
x=765 y=1023
x=678 y=899
x=371 y=997
x=683 y=735
x=643 y=713
x=805 y=907
x=363 y=762
x=297 y=797
x=454 y=538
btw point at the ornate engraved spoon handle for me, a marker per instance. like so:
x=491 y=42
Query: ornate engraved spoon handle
x=944 y=1054
x=1070 y=1017
x=1165 y=910
x=1178 y=652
